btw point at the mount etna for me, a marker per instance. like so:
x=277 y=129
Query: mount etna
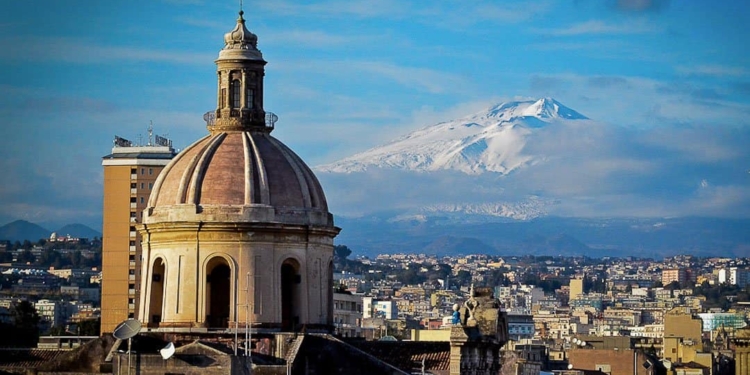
x=534 y=176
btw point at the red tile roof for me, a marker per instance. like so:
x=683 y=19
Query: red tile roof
x=27 y=358
x=408 y=355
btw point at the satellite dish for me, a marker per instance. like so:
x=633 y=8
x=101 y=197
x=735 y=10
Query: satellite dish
x=570 y=366
x=168 y=351
x=667 y=363
x=583 y=343
x=127 y=329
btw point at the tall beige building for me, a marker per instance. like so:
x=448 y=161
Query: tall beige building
x=576 y=288
x=129 y=176
x=669 y=276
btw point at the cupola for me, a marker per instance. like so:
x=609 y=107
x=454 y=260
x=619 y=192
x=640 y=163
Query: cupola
x=240 y=71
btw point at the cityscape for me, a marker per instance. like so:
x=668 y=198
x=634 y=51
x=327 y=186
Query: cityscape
x=506 y=234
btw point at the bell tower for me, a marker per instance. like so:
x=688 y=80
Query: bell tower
x=240 y=69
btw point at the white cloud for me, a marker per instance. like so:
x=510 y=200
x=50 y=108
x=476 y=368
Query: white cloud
x=82 y=51
x=596 y=27
x=314 y=38
x=713 y=70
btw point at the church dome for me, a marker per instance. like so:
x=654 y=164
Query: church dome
x=238 y=176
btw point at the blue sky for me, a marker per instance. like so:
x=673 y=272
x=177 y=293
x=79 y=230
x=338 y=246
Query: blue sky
x=344 y=76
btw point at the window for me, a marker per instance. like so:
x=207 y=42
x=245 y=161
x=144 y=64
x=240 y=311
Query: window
x=150 y=185
x=142 y=185
x=132 y=243
x=235 y=86
x=132 y=200
x=133 y=185
x=151 y=171
x=249 y=96
x=133 y=170
x=141 y=199
x=143 y=170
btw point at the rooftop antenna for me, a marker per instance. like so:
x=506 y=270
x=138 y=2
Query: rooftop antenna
x=125 y=331
x=167 y=351
x=150 y=132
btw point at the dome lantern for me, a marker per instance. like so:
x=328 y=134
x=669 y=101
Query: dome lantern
x=240 y=71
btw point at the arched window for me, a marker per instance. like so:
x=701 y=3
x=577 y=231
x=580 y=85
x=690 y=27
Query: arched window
x=156 y=301
x=290 y=294
x=218 y=292
x=249 y=97
x=235 y=86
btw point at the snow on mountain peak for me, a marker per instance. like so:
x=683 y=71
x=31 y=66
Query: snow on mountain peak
x=488 y=141
x=543 y=109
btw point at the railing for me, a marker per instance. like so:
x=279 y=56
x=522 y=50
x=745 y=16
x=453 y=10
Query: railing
x=270 y=118
x=210 y=118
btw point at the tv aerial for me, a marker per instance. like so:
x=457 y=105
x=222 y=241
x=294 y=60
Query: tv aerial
x=125 y=331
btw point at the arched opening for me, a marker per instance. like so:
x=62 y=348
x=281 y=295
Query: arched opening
x=290 y=293
x=156 y=299
x=235 y=90
x=218 y=291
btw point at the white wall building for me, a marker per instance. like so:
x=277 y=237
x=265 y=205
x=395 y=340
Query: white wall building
x=347 y=314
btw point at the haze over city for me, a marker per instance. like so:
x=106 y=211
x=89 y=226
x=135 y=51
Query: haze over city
x=344 y=76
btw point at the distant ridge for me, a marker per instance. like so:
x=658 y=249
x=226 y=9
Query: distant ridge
x=21 y=230
x=78 y=231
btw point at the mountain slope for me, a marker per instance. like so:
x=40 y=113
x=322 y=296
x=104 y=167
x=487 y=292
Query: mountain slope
x=78 y=231
x=489 y=141
x=20 y=230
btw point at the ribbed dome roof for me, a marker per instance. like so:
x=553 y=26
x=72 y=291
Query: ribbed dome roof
x=238 y=176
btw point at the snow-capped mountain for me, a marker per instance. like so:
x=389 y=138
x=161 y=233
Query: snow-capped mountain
x=528 y=209
x=489 y=141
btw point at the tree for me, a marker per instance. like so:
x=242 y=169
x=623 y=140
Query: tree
x=342 y=251
x=26 y=324
x=89 y=327
x=26 y=257
x=57 y=331
x=674 y=285
x=463 y=277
